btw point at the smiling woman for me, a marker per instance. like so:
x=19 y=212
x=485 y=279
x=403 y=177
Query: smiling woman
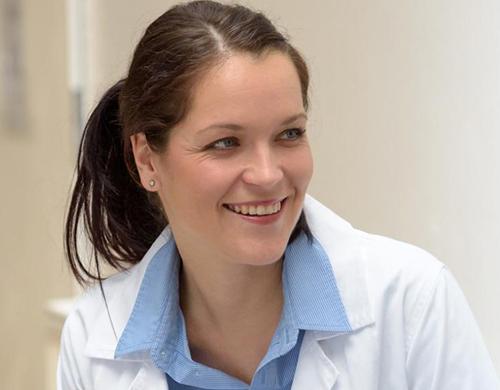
x=191 y=182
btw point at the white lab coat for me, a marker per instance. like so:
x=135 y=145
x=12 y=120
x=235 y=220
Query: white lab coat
x=412 y=327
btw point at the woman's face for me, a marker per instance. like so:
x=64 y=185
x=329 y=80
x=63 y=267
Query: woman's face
x=239 y=151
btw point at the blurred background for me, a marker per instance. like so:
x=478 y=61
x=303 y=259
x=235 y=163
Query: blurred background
x=405 y=128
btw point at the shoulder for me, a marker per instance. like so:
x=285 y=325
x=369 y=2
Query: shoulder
x=100 y=313
x=405 y=308
x=91 y=301
x=394 y=280
x=90 y=312
x=396 y=263
x=91 y=330
x=384 y=260
x=88 y=340
x=402 y=280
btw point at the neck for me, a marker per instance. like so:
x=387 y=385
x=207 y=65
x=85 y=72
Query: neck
x=231 y=298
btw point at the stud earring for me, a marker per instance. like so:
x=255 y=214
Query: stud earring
x=152 y=183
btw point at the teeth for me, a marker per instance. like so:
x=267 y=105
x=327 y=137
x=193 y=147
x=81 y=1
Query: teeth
x=256 y=210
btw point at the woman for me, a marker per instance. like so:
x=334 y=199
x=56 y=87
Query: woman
x=192 y=175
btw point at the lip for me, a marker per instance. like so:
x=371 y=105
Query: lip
x=263 y=219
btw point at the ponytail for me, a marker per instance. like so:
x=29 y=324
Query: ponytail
x=119 y=218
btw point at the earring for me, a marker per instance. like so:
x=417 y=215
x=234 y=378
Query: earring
x=152 y=183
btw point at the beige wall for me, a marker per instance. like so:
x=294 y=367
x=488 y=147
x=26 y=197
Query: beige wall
x=405 y=118
x=35 y=168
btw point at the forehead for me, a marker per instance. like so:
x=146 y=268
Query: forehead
x=245 y=88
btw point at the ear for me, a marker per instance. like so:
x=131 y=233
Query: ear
x=145 y=161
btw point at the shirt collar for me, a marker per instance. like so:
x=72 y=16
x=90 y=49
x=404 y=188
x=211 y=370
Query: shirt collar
x=311 y=298
x=310 y=286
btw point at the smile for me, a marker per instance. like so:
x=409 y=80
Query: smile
x=256 y=209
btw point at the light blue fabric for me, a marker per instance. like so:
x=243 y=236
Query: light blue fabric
x=156 y=325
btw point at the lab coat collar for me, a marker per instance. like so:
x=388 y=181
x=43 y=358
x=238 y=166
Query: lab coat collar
x=336 y=236
x=344 y=247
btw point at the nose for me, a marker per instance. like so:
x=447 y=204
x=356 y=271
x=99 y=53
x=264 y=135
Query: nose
x=263 y=168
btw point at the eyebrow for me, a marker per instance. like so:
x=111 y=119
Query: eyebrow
x=236 y=127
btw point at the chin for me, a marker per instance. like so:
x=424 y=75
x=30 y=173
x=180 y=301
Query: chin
x=262 y=253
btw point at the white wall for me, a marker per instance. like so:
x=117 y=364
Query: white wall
x=405 y=119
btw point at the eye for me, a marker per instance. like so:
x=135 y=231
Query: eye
x=223 y=144
x=292 y=134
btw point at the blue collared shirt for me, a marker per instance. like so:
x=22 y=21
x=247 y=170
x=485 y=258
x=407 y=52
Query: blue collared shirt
x=156 y=326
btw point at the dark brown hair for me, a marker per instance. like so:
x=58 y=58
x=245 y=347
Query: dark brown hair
x=120 y=218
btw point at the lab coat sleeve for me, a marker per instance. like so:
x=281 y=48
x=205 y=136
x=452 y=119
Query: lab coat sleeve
x=447 y=351
x=68 y=364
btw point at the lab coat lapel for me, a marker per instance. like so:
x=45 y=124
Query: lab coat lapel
x=149 y=377
x=314 y=369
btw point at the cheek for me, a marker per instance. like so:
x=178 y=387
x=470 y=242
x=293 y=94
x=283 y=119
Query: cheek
x=301 y=167
x=213 y=180
x=198 y=185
